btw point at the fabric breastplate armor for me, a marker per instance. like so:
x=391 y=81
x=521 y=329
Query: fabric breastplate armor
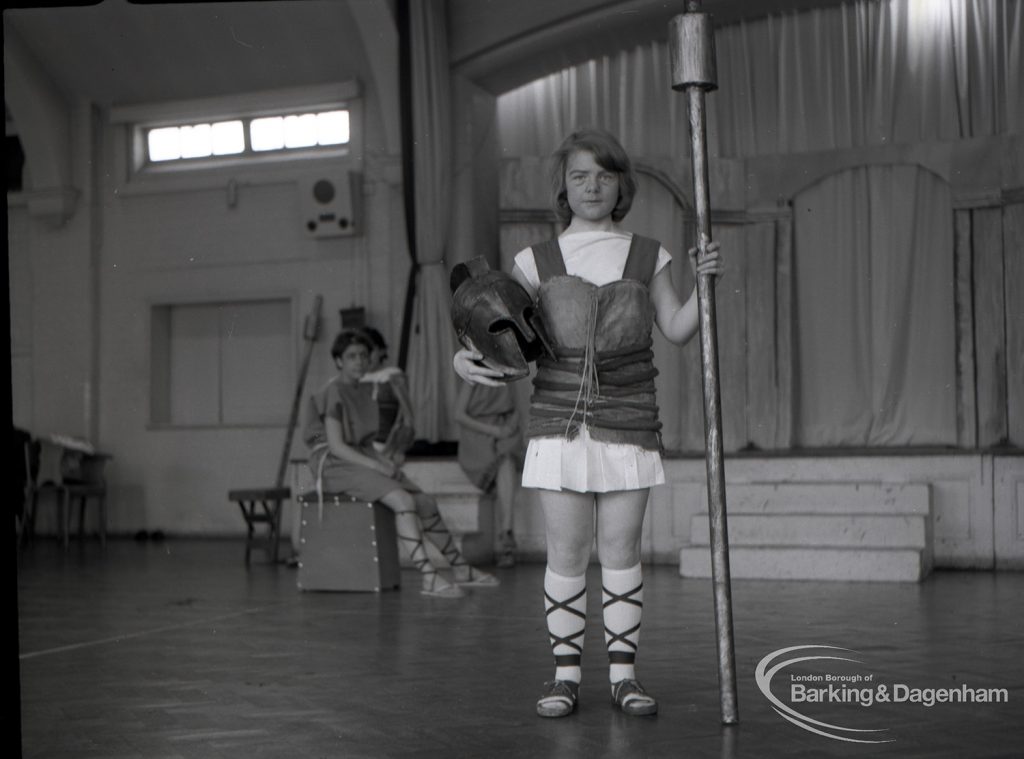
x=603 y=370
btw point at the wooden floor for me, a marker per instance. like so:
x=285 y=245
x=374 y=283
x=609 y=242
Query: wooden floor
x=174 y=649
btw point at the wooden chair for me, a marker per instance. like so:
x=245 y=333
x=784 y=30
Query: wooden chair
x=73 y=477
x=261 y=507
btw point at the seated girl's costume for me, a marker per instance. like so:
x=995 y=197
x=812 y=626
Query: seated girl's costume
x=593 y=416
x=355 y=408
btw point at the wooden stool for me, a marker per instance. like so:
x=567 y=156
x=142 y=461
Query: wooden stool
x=346 y=544
x=261 y=506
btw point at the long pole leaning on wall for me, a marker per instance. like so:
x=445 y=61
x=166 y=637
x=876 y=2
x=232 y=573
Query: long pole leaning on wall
x=692 y=48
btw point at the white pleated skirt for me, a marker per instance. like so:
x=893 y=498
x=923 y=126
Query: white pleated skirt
x=586 y=465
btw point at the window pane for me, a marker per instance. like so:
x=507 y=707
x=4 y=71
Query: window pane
x=267 y=134
x=194 y=365
x=164 y=144
x=332 y=127
x=256 y=362
x=228 y=138
x=222 y=364
x=300 y=131
x=195 y=141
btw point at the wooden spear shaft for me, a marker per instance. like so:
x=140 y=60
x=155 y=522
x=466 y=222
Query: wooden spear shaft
x=693 y=71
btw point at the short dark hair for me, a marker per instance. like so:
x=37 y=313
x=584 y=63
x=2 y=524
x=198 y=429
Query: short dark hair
x=376 y=338
x=609 y=154
x=349 y=337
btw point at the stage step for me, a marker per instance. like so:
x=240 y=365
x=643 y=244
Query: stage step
x=826 y=498
x=819 y=531
x=799 y=563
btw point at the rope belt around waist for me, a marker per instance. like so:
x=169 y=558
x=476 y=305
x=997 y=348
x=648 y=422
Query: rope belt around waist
x=581 y=385
x=640 y=381
x=589 y=418
x=611 y=359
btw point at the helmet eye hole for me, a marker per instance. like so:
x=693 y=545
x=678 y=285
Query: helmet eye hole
x=500 y=325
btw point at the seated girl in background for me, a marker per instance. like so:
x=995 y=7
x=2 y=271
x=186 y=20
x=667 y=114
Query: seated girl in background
x=340 y=426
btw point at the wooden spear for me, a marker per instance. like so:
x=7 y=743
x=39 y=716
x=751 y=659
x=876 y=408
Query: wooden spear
x=692 y=45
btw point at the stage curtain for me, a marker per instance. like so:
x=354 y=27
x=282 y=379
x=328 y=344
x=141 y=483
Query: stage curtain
x=876 y=361
x=432 y=339
x=863 y=73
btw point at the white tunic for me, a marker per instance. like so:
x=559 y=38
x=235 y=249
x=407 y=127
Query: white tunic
x=583 y=464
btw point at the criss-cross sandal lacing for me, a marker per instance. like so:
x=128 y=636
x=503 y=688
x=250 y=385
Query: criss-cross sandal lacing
x=627 y=693
x=464 y=574
x=560 y=696
x=433 y=583
x=612 y=637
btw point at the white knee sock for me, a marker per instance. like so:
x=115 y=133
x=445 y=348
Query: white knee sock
x=565 y=605
x=623 y=596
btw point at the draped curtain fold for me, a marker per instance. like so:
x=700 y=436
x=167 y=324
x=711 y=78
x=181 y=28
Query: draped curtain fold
x=431 y=339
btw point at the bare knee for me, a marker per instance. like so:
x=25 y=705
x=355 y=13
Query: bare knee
x=568 y=555
x=619 y=551
x=399 y=501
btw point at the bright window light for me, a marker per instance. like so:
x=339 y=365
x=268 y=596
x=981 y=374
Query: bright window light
x=164 y=144
x=267 y=133
x=195 y=141
x=300 y=131
x=228 y=138
x=332 y=127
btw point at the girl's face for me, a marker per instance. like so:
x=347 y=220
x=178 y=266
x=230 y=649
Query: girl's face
x=377 y=357
x=592 y=190
x=353 y=362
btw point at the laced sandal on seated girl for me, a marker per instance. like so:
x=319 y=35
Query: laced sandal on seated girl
x=433 y=583
x=464 y=574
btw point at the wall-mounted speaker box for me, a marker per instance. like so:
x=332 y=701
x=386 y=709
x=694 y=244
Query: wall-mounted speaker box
x=331 y=204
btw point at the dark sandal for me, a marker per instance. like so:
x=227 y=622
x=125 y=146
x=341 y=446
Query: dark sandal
x=630 y=696
x=559 y=698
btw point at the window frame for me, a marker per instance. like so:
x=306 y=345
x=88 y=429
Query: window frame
x=160 y=365
x=137 y=174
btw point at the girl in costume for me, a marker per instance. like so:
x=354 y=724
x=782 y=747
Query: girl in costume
x=340 y=425
x=491 y=453
x=594 y=434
